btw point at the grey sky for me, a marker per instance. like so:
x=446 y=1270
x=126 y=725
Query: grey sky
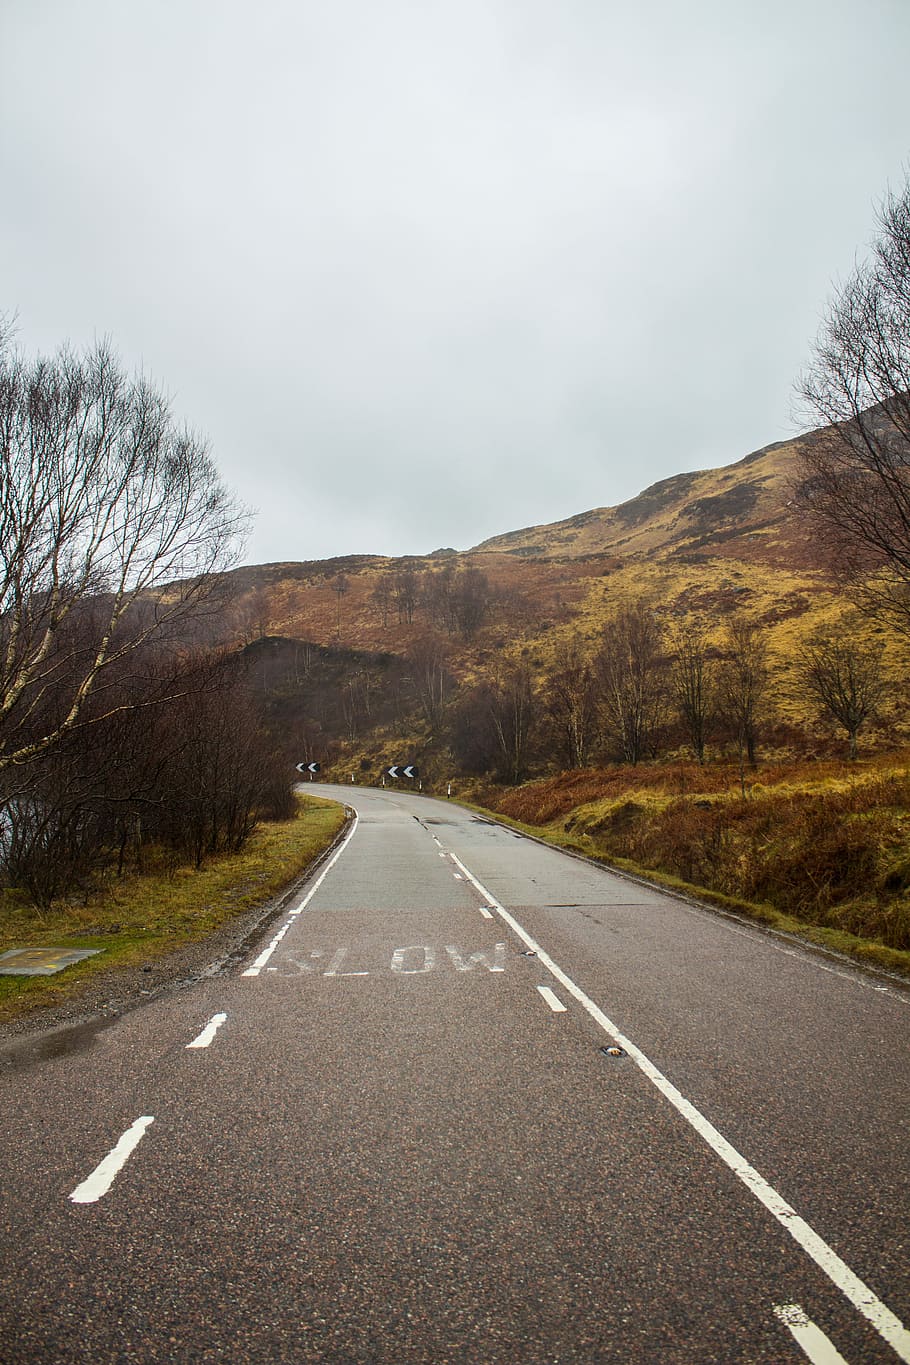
x=426 y=272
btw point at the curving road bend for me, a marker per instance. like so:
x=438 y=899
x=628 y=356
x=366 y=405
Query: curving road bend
x=469 y=1100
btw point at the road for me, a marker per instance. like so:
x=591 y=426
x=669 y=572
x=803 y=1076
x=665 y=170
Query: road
x=399 y=1137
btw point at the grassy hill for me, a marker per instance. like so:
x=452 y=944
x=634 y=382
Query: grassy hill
x=740 y=512
x=699 y=545
x=703 y=548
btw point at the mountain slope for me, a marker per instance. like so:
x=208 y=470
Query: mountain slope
x=741 y=511
x=697 y=546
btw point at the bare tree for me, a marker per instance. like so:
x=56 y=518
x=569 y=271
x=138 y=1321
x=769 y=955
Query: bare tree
x=340 y=587
x=692 y=686
x=632 y=685
x=192 y=776
x=844 y=677
x=457 y=600
x=471 y=601
x=436 y=595
x=475 y=739
x=856 y=472
x=406 y=588
x=513 y=713
x=742 y=688
x=112 y=520
x=432 y=682
x=570 y=691
x=381 y=596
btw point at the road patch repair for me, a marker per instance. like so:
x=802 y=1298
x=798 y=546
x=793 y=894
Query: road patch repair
x=41 y=961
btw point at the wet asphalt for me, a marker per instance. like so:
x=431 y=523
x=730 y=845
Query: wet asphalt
x=394 y=1150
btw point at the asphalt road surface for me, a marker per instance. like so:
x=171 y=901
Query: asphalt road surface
x=393 y=1134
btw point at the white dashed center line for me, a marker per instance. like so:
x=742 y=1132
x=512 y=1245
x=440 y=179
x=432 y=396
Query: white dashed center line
x=552 y=999
x=104 y=1174
x=209 y=1031
x=810 y=1339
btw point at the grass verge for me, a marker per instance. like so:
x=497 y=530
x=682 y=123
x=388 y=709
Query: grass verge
x=138 y=920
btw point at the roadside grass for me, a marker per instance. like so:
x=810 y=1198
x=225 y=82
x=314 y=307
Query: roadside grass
x=138 y=919
x=817 y=851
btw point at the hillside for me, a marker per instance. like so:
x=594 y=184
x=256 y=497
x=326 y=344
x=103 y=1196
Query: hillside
x=697 y=545
x=741 y=512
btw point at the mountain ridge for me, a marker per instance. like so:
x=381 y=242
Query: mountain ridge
x=697 y=545
x=685 y=511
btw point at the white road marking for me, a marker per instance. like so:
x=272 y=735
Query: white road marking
x=810 y=1339
x=104 y=1174
x=886 y=1323
x=458 y=877
x=487 y=914
x=264 y=956
x=402 y=955
x=552 y=999
x=494 y=963
x=337 y=960
x=209 y=1031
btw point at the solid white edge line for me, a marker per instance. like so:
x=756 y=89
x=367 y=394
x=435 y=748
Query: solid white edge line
x=256 y=967
x=209 y=1031
x=886 y=1323
x=810 y=1339
x=104 y=1174
x=552 y=999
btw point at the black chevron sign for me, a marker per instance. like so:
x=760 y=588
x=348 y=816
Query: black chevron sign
x=308 y=767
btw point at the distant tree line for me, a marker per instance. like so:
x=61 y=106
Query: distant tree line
x=455 y=599
x=641 y=690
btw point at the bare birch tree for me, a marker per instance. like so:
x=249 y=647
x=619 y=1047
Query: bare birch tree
x=743 y=687
x=570 y=701
x=112 y=521
x=340 y=587
x=632 y=688
x=856 y=472
x=513 y=713
x=432 y=682
x=692 y=686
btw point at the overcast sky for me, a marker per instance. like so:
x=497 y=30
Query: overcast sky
x=424 y=271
